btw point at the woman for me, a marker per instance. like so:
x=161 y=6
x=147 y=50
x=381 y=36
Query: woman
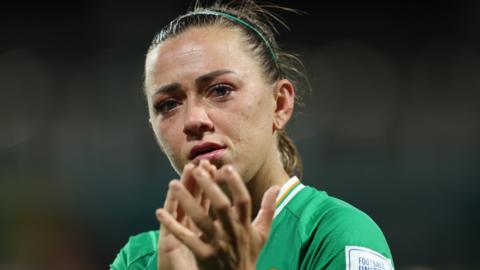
x=220 y=91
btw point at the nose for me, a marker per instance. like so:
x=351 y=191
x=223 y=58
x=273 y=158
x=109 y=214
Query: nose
x=196 y=121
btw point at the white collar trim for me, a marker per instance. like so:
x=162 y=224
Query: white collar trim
x=288 y=190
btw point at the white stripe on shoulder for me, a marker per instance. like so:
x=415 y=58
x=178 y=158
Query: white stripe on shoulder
x=285 y=189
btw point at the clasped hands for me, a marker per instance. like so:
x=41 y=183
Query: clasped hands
x=203 y=228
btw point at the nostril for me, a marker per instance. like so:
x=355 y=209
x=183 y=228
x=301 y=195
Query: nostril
x=198 y=126
x=197 y=120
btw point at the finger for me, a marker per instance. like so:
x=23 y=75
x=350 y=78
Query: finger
x=212 y=170
x=218 y=199
x=209 y=167
x=202 y=199
x=188 y=181
x=171 y=203
x=241 y=198
x=167 y=241
x=170 y=206
x=163 y=231
x=264 y=218
x=193 y=209
x=184 y=235
x=205 y=202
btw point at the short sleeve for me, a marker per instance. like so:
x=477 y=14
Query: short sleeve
x=138 y=254
x=346 y=237
x=120 y=262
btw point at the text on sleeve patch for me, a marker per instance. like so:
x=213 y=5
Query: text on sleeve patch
x=361 y=258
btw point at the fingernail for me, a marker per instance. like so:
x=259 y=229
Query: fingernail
x=173 y=186
x=189 y=166
x=200 y=172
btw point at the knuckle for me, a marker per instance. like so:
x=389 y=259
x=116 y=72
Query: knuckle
x=205 y=224
x=223 y=206
x=183 y=236
x=227 y=172
x=221 y=246
x=243 y=201
x=207 y=254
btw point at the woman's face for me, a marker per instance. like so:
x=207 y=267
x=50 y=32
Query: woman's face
x=208 y=99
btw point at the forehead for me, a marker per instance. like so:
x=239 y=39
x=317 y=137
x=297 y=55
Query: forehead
x=197 y=51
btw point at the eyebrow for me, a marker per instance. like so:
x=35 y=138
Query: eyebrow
x=172 y=87
x=211 y=75
x=169 y=88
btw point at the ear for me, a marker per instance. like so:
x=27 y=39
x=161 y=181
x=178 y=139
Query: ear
x=284 y=103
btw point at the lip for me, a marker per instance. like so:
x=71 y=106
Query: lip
x=206 y=150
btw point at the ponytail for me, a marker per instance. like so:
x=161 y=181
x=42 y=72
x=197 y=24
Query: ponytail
x=292 y=163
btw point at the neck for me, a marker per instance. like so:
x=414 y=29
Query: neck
x=272 y=173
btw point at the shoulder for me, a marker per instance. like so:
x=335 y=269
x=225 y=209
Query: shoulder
x=138 y=249
x=331 y=228
x=317 y=211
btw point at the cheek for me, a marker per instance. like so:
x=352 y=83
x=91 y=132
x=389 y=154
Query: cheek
x=260 y=113
x=167 y=137
x=252 y=119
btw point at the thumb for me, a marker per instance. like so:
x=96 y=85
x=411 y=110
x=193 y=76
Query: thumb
x=264 y=218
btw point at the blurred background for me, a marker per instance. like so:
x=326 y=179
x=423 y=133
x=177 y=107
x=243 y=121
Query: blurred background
x=392 y=125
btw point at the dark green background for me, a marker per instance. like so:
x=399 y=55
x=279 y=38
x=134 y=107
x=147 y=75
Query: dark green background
x=392 y=125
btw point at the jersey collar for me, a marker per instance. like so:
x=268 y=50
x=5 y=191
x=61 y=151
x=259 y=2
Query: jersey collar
x=288 y=190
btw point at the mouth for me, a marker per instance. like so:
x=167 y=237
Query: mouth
x=207 y=150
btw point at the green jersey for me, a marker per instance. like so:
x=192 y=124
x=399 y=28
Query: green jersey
x=310 y=230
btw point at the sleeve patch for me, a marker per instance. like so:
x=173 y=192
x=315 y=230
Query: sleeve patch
x=360 y=258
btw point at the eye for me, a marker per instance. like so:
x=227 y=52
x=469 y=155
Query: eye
x=166 y=106
x=219 y=90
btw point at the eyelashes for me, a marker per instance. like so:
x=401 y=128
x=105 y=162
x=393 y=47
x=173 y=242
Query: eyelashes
x=217 y=93
x=220 y=90
x=165 y=106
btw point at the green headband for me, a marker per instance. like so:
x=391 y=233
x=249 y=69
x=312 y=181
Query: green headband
x=237 y=20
